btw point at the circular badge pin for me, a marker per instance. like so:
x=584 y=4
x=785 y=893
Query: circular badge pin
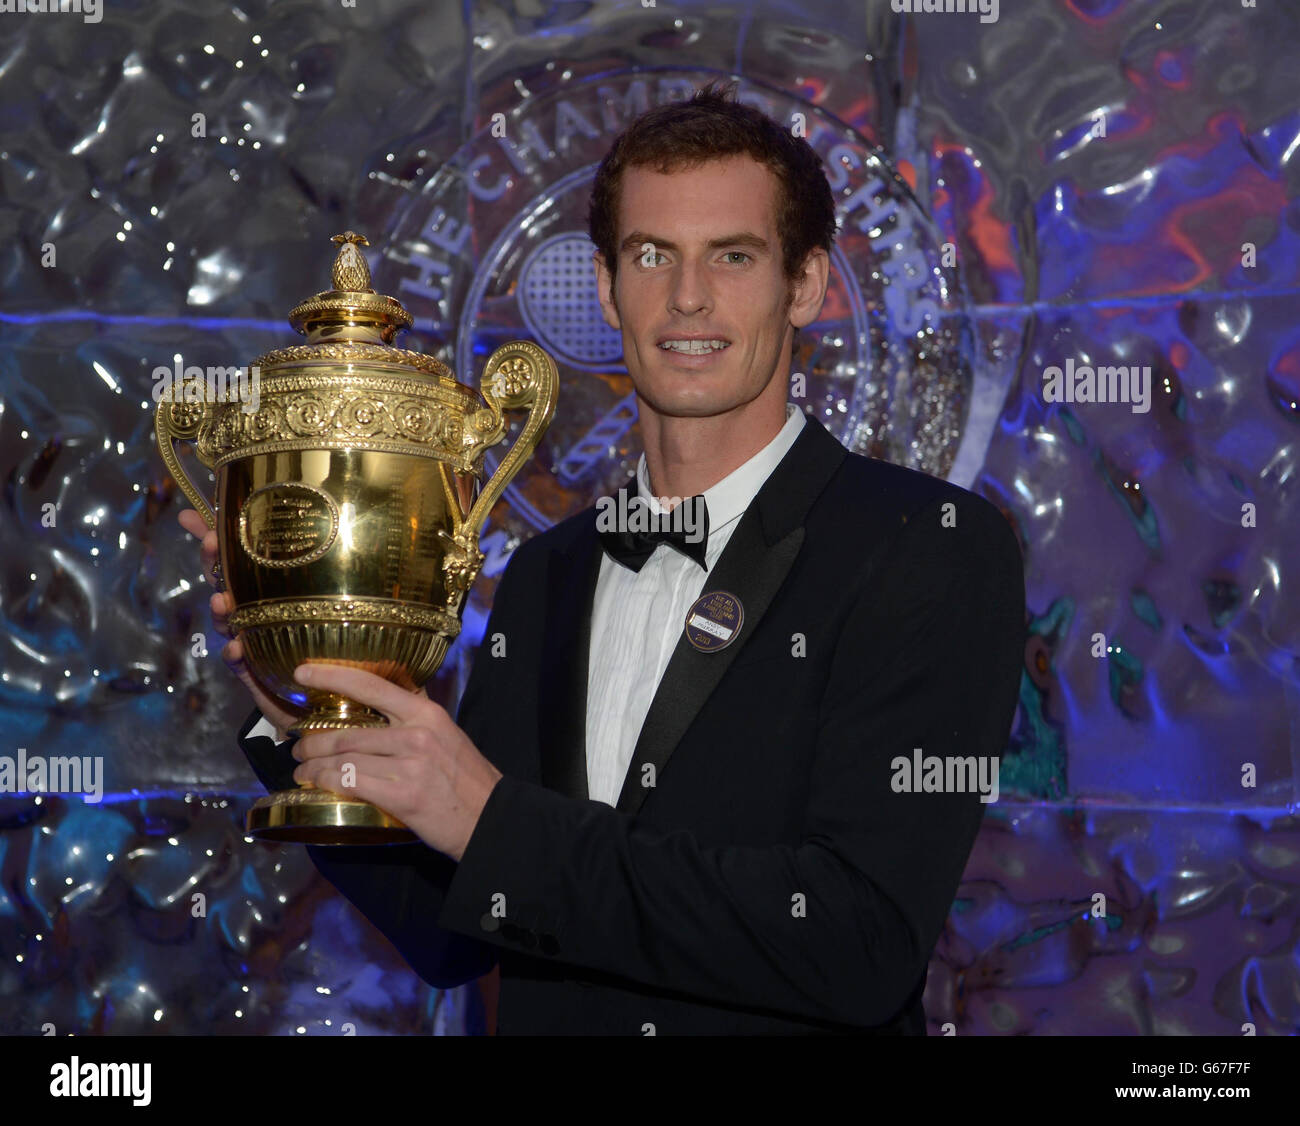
x=714 y=621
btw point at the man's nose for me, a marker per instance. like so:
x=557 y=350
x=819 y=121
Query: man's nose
x=690 y=291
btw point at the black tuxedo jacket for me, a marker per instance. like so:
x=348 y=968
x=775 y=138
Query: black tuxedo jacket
x=771 y=879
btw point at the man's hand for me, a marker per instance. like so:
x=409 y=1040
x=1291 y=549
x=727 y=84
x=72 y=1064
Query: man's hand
x=221 y=605
x=422 y=768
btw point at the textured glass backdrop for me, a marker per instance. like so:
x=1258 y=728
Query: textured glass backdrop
x=1115 y=183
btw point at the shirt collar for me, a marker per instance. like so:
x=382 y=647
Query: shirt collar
x=730 y=497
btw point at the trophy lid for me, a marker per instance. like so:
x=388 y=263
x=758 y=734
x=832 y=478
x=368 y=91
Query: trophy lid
x=352 y=310
x=353 y=324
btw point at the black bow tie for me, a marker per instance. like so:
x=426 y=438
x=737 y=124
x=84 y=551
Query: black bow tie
x=633 y=548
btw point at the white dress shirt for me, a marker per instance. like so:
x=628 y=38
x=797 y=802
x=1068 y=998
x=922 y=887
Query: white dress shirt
x=639 y=615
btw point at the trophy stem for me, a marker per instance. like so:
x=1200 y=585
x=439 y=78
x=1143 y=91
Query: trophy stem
x=332 y=712
x=310 y=815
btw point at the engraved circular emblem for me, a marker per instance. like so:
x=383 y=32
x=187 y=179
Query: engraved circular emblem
x=492 y=244
x=714 y=621
x=288 y=524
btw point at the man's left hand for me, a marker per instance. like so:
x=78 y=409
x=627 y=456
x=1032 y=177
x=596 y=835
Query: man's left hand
x=422 y=768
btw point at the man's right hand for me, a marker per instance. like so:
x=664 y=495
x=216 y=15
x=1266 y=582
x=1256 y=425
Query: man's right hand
x=222 y=604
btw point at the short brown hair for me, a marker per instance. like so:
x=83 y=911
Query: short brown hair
x=711 y=126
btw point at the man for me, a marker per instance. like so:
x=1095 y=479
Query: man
x=674 y=804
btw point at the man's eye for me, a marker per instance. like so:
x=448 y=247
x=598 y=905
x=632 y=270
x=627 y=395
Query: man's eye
x=738 y=253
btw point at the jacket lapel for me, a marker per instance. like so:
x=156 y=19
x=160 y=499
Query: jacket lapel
x=752 y=567
x=566 y=650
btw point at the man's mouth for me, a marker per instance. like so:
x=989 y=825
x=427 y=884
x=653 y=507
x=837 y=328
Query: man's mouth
x=694 y=347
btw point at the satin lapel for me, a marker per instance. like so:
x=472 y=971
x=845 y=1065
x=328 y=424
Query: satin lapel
x=562 y=704
x=566 y=650
x=754 y=564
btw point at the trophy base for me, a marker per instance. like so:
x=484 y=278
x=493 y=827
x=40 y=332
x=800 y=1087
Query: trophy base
x=319 y=817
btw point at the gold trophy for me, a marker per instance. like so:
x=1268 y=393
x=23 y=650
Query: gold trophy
x=348 y=511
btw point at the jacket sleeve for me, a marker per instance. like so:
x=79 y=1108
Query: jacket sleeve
x=841 y=926
x=401 y=888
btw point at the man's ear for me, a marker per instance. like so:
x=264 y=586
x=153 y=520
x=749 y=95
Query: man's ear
x=605 y=292
x=810 y=288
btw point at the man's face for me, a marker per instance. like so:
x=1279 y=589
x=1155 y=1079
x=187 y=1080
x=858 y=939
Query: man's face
x=699 y=256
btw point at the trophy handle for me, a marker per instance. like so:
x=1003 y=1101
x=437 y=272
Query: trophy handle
x=517 y=374
x=182 y=422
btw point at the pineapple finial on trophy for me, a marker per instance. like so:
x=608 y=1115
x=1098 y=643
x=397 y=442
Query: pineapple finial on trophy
x=352 y=310
x=350 y=273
